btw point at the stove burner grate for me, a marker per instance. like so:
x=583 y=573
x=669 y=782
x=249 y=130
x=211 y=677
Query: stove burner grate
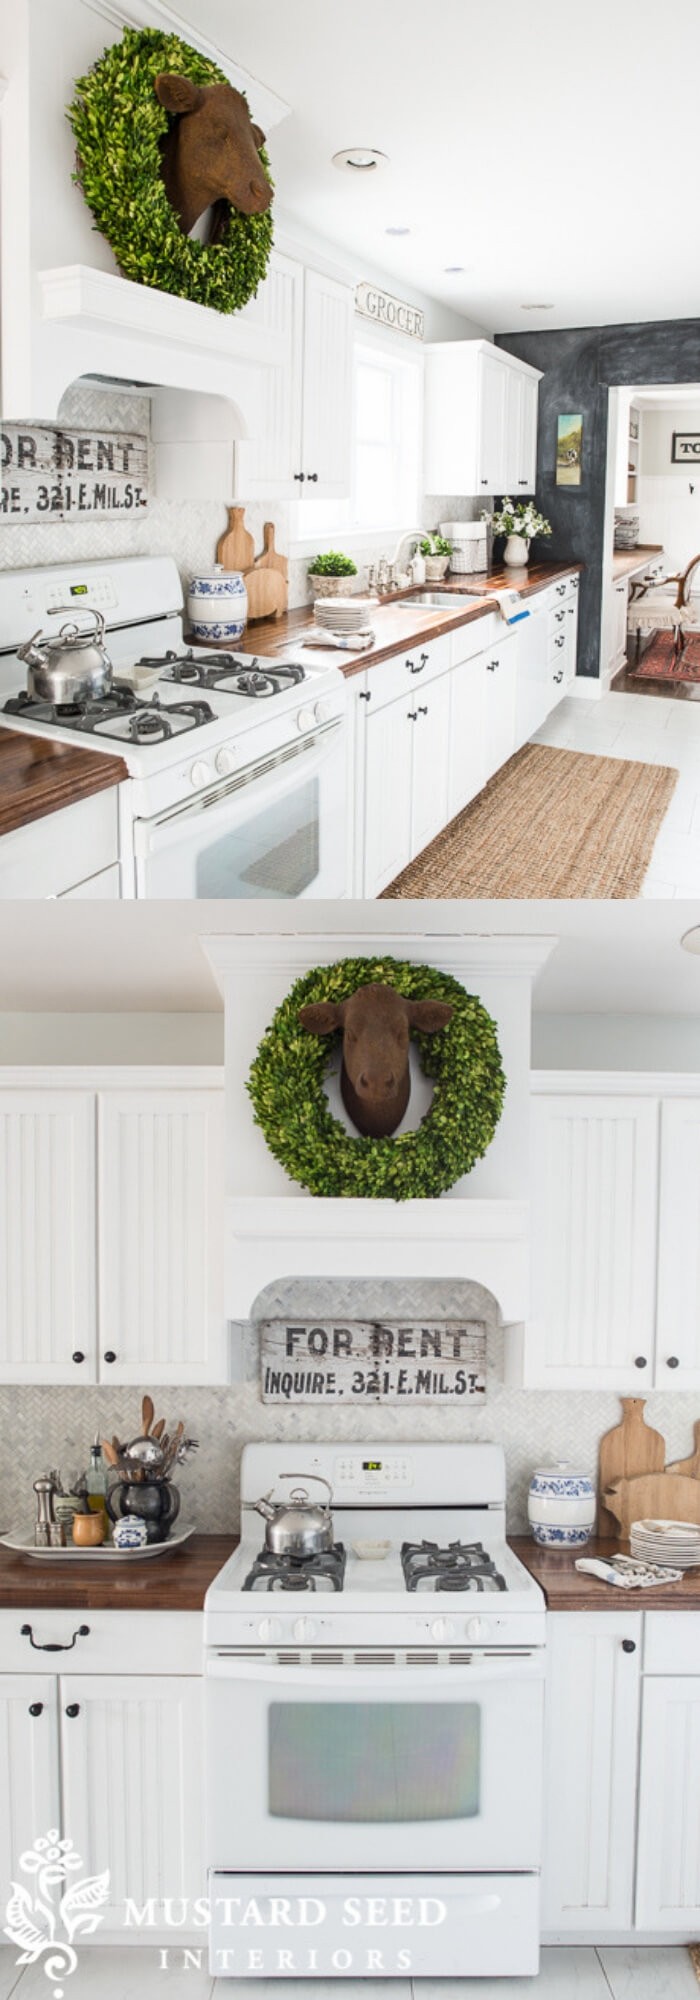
x=230 y=672
x=297 y=1573
x=460 y=1566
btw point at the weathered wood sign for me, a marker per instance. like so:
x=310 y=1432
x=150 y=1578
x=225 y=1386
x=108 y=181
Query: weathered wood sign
x=57 y=475
x=380 y=306
x=372 y=1361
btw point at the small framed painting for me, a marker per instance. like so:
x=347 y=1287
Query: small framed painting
x=569 y=443
x=685 y=448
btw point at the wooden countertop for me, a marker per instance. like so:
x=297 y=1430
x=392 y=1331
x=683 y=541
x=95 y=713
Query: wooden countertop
x=397 y=630
x=39 y=777
x=626 y=561
x=176 y=1582
x=568 y=1589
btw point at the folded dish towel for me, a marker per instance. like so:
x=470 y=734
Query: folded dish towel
x=627 y=1573
x=347 y=642
x=510 y=605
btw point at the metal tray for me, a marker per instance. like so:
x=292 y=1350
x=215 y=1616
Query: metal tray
x=109 y=1554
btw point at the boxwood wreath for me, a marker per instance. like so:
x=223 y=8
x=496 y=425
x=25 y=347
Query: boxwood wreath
x=118 y=122
x=287 y=1076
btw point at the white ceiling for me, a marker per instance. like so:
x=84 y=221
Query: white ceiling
x=93 y=957
x=550 y=149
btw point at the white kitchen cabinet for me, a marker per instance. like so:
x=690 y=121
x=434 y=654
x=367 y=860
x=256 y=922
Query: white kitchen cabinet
x=47 y=1235
x=498 y=711
x=303 y=424
x=591 y=1730
x=466 y=749
x=668 y=1864
x=404 y=744
x=29 y=1786
x=480 y=420
x=160 y=1164
x=132 y=1785
x=388 y=775
x=678 y=1307
x=63 y=852
x=431 y=755
x=594 y=1163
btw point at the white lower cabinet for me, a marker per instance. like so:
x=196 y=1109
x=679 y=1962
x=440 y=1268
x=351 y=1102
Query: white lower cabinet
x=387 y=842
x=431 y=753
x=668 y=1873
x=466 y=749
x=29 y=1781
x=499 y=670
x=591 y=1733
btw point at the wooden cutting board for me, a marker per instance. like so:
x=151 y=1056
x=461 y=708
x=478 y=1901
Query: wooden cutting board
x=270 y=558
x=267 y=593
x=691 y=1466
x=631 y=1447
x=236 y=549
x=654 y=1496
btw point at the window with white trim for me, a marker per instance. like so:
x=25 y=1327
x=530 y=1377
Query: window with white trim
x=387 y=450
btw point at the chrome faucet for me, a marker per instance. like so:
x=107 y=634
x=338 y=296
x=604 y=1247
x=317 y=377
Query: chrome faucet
x=413 y=535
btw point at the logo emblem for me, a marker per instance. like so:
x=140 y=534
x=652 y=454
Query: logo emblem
x=47 y=1920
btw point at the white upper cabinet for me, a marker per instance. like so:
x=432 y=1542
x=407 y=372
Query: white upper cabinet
x=47 y=1235
x=678 y=1316
x=480 y=420
x=302 y=442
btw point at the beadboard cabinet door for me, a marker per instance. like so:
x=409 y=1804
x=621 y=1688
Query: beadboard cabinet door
x=668 y=1864
x=593 y=1206
x=678 y=1307
x=29 y=1787
x=268 y=463
x=388 y=789
x=592 y=1716
x=131 y=1764
x=327 y=387
x=47 y=1235
x=160 y=1171
x=431 y=757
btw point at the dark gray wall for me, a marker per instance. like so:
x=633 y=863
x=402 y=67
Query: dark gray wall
x=579 y=366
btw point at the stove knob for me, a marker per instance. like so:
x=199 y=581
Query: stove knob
x=306 y=719
x=225 y=761
x=476 y=1628
x=269 y=1628
x=323 y=711
x=304 y=1628
x=200 y=774
x=442 y=1628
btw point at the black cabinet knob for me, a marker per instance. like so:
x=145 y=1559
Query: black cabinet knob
x=365 y=697
x=672 y=1361
x=629 y=1645
x=422 y=711
x=313 y=476
x=640 y=1360
x=110 y=1354
x=73 y=1709
x=36 y=1708
x=300 y=475
x=77 y=1356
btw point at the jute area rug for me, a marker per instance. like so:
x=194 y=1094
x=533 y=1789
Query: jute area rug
x=551 y=823
x=658 y=662
x=694 y=1950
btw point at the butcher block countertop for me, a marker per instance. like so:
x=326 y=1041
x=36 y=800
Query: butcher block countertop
x=569 y=1589
x=39 y=777
x=177 y=1582
x=398 y=629
x=626 y=561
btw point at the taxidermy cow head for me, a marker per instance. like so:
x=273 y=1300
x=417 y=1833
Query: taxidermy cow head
x=375 y=1079
x=210 y=155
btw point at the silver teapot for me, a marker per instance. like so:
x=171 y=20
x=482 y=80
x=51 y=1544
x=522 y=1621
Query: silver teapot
x=71 y=666
x=298 y=1526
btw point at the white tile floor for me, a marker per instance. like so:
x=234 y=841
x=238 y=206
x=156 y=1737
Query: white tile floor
x=650 y=731
x=576 y=1973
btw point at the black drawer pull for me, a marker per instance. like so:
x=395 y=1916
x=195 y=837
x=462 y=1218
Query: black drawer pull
x=629 y=1645
x=110 y=1354
x=73 y=1709
x=52 y=1645
x=77 y=1356
x=491 y=666
x=640 y=1360
x=36 y=1708
x=560 y=676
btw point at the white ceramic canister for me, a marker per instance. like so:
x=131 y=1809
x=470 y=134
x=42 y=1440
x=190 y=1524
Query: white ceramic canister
x=217 y=605
x=561 y=1506
x=517 y=551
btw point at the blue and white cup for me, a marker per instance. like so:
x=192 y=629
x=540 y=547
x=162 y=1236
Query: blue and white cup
x=561 y=1506
x=217 y=605
x=130 y=1533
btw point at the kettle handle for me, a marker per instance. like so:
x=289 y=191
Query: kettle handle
x=58 y=611
x=309 y=1475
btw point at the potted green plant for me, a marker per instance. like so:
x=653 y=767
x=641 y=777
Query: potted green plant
x=437 y=554
x=329 y=573
x=519 y=521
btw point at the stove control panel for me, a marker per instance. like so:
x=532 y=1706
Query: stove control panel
x=377 y=1630
x=371 y=1477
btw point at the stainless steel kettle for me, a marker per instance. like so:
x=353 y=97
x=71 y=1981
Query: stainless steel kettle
x=71 y=666
x=298 y=1526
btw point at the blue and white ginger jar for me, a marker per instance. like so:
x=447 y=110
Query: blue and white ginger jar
x=561 y=1507
x=217 y=605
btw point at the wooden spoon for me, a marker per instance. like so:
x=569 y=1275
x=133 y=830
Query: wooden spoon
x=158 y=1429
x=147 y=1414
x=110 y=1454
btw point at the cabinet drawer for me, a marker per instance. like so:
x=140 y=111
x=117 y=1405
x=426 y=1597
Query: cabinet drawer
x=480 y=633
x=672 y=1642
x=55 y=854
x=116 y=1642
x=410 y=670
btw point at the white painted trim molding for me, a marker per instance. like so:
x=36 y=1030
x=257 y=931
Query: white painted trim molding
x=468 y=956
x=112 y=1076
x=267 y=107
x=616 y=1083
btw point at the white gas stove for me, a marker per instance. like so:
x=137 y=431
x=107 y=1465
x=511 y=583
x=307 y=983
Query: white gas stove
x=236 y=766
x=374 y=1722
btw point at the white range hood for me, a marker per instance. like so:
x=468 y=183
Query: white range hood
x=479 y=1231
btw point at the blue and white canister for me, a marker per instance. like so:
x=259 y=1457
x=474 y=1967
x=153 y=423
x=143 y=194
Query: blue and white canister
x=217 y=605
x=561 y=1506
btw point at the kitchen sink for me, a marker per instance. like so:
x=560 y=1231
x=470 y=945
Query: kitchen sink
x=437 y=599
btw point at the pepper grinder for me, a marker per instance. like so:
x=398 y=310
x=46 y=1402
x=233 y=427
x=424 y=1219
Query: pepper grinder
x=44 y=1489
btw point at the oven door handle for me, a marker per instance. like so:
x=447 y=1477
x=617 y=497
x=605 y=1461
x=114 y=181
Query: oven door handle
x=525 y=1666
x=234 y=799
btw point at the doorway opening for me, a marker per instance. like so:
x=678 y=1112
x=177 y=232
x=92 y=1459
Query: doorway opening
x=650 y=625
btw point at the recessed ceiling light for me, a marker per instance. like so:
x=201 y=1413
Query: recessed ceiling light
x=454 y=270
x=397 y=229
x=358 y=159
x=536 y=306
x=691 y=940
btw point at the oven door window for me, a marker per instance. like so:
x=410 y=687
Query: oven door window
x=382 y=1761
x=275 y=852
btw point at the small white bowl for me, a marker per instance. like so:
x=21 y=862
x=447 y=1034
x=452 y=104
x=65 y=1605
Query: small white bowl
x=371 y=1551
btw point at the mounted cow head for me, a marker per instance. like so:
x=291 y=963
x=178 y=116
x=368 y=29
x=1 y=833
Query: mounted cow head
x=375 y=1078
x=210 y=155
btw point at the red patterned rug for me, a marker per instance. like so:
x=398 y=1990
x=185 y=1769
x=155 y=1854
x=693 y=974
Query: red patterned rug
x=659 y=663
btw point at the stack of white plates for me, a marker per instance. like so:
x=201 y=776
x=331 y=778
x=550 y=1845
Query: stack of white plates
x=675 y=1544
x=343 y=614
